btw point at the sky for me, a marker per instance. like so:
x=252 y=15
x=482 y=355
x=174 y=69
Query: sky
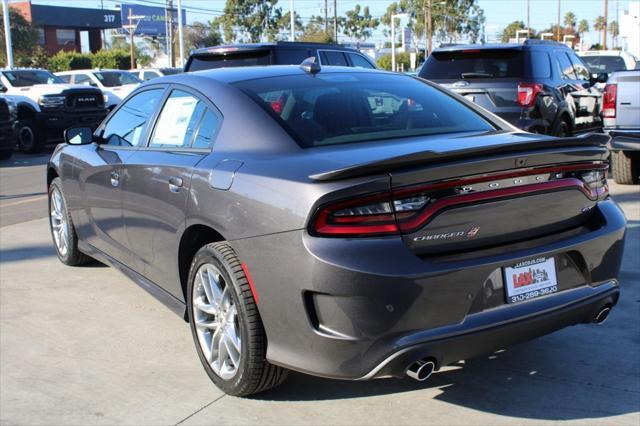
x=498 y=13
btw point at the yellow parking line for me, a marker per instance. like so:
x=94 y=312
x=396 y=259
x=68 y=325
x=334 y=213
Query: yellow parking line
x=30 y=200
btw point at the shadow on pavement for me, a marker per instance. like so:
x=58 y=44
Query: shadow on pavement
x=41 y=251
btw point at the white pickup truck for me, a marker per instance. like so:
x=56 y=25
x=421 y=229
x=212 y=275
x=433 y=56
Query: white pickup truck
x=621 y=116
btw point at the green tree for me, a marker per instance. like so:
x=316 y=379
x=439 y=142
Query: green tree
x=583 y=27
x=24 y=39
x=285 y=24
x=614 y=30
x=599 y=26
x=360 y=26
x=510 y=30
x=253 y=19
x=570 y=19
x=314 y=31
x=201 y=35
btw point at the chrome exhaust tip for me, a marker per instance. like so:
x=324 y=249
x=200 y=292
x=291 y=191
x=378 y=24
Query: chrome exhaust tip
x=422 y=369
x=602 y=316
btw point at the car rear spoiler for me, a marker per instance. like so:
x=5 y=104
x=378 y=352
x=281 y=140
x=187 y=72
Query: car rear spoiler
x=431 y=157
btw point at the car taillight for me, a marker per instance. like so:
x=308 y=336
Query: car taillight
x=527 y=93
x=407 y=209
x=609 y=101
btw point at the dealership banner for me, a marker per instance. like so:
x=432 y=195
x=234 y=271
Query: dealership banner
x=153 y=21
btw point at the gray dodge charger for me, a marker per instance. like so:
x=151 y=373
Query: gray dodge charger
x=346 y=223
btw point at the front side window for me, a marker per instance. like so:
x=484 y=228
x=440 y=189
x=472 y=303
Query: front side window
x=565 y=67
x=359 y=61
x=65 y=78
x=30 y=77
x=116 y=78
x=339 y=108
x=148 y=75
x=127 y=126
x=178 y=121
x=84 y=79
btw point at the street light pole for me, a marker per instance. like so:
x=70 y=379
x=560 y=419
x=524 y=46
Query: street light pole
x=604 y=27
x=7 y=33
x=558 y=28
x=131 y=33
x=292 y=21
x=393 y=38
x=180 y=35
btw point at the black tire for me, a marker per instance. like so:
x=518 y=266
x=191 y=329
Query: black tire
x=254 y=374
x=5 y=155
x=30 y=138
x=73 y=256
x=561 y=129
x=625 y=170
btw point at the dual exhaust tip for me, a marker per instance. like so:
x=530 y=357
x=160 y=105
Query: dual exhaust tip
x=422 y=369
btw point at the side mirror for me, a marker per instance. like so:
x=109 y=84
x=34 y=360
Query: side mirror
x=2 y=88
x=78 y=136
x=601 y=77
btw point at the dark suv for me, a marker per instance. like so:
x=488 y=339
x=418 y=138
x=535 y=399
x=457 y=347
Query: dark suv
x=538 y=86
x=280 y=53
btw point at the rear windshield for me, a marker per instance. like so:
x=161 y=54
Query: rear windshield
x=474 y=63
x=116 y=78
x=211 y=61
x=600 y=64
x=340 y=108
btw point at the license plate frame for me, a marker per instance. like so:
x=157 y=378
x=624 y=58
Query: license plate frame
x=530 y=279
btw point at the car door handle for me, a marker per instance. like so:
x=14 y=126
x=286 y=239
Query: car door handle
x=115 y=179
x=175 y=183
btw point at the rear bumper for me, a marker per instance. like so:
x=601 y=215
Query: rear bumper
x=624 y=140
x=365 y=308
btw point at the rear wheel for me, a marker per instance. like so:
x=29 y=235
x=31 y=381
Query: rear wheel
x=226 y=325
x=30 y=139
x=625 y=169
x=561 y=129
x=64 y=235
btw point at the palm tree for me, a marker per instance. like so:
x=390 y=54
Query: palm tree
x=614 y=30
x=570 y=19
x=583 y=27
x=599 y=26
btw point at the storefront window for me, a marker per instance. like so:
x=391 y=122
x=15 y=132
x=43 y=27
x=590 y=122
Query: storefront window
x=65 y=37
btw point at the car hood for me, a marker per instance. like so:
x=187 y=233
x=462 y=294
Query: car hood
x=48 y=89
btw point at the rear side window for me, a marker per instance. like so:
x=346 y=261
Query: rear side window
x=474 y=63
x=178 y=121
x=127 y=126
x=291 y=56
x=219 y=60
x=540 y=64
x=342 y=108
x=359 y=61
x=333 y=57
x=564 y=66
x=207 y=129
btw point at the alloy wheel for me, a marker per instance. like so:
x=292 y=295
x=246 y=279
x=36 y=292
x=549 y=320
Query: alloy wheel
x=216 y=319
x=59 y=225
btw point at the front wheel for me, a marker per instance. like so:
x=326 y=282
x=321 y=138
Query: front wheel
x=226 y=325
x=64 y=235
x=30 y=138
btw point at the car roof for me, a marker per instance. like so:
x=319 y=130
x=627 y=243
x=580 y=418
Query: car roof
x=235 y=74
x=492 y=46
x=259 y=46
x=89 y=70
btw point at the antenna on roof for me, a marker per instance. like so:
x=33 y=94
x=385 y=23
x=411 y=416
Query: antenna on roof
x=310 y=66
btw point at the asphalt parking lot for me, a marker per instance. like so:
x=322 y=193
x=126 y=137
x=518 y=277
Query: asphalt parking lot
x=86 y=346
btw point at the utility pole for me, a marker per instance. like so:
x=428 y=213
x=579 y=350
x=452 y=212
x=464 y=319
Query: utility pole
x=558 y=28
x=104 y=35
x=326 y=22
x=528 y=15
x=180 y=31
x=132 y=30
x=335 y=21
x=428 y=29
x=292 y=21
x=604 y=28
x=7 y=32
x=172 y=62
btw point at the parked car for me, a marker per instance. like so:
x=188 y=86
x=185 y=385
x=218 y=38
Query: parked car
x=115 y=84
x=538 y=86
x=8 y=118
x=346 y=223
x=146 y=74
x=621 y=114
x=46 y=106
x=607 y=61
x=280 y=53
